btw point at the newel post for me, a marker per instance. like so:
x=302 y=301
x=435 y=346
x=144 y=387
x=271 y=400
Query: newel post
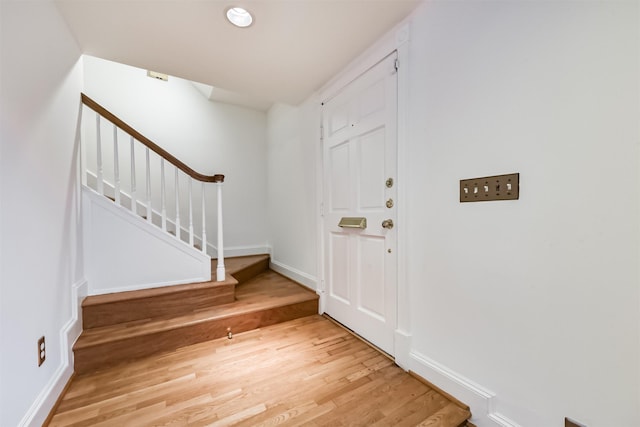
x=220 y=270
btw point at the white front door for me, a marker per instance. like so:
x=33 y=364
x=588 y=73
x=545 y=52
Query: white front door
x=359 y=153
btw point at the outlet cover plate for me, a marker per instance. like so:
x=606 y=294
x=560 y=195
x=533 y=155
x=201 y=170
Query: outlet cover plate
x=490 y=188
x=568 y=422
x=42 y=351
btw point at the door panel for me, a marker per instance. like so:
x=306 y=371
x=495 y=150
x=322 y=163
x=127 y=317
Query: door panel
x=339 y=267
x=371 y=275
x=340 y=164
x=371 y=170
x=339 y=119
x=359 y=152
x=372 y=99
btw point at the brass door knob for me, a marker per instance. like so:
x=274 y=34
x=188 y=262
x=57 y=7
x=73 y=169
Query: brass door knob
x=388 y=224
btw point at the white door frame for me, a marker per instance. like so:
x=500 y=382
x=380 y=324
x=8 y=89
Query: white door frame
x=394 y=41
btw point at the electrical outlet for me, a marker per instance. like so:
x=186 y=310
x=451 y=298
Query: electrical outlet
x=42 y=351
x=568 y=422
x=497 y=187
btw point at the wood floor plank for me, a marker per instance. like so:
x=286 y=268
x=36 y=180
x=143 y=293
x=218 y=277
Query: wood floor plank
x=304 y=372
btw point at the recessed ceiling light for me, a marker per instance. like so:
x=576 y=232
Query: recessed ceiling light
x=239 y=17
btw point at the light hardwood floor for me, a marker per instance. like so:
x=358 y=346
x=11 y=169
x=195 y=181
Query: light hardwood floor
x=307 y=371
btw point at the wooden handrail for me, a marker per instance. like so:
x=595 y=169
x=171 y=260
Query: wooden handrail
x=147 y=142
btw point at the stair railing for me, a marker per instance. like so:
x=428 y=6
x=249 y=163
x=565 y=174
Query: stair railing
x=179 y=168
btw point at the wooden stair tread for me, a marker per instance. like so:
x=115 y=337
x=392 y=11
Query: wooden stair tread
x=132 y=325
x=235 y=264
x=232 y=265
x=152 y=292
x=450 y=415
x=268 y=290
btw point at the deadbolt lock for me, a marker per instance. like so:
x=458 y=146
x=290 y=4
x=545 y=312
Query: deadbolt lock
x=389 y=203
x=389 y=182
x=388 y=224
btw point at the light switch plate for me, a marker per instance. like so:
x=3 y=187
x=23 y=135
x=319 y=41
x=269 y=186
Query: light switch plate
x=489 y=188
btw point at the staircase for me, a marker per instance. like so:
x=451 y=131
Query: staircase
x=129 y=325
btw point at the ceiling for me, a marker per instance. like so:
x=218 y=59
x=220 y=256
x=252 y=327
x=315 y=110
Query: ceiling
x=291 y=50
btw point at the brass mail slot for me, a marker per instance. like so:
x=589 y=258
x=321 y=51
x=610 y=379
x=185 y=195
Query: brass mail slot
x=353 y=222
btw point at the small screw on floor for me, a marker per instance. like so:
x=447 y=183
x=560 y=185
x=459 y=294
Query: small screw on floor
x=229 y=334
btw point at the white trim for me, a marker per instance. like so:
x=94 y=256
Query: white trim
x=230 y=252
x=135 y=220
x=320 y=209
x=378 y=50
x=402 y=348
x=78 y=292
x=481 y=400
x=403 y=311
x=152 y=285
x=141 y=205
x=502 y=421
x=211 y=248
x=449 y=375
x=395 y=40
x=40 y=408
x=294 y=274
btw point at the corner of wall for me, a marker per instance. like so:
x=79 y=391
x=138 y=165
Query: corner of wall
x=46 y=400
x=294 y=274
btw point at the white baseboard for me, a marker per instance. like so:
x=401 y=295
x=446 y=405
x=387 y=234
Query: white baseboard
x=481 y=400
x=72 y=332
x=138 y=287
x=501 y=420
x=402 y=349
x=294 y=274
x=239 y=251
x=39 y=410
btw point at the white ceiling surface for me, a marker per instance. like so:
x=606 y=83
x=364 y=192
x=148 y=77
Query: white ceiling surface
x=291 y=50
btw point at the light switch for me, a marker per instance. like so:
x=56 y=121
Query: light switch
x=488 y=188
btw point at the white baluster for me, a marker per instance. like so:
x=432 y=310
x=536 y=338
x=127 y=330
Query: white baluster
x=83 y=150
x=116 y=165
x=204 y=223
x=100 y=183
x=220 y=270
x=148 y=172
x=162 y=197
x=177 y=184
x=134 y=202
x=190 y=213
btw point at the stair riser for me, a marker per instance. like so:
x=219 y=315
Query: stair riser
x=250 y=271
x=157 y=306
x=104 y=355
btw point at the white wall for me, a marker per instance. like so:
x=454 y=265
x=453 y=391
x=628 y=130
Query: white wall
x=535 y=300
x=293 y=133
x=209 y=137
x=40 y=267
x=123 y=253
x=527 y=309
